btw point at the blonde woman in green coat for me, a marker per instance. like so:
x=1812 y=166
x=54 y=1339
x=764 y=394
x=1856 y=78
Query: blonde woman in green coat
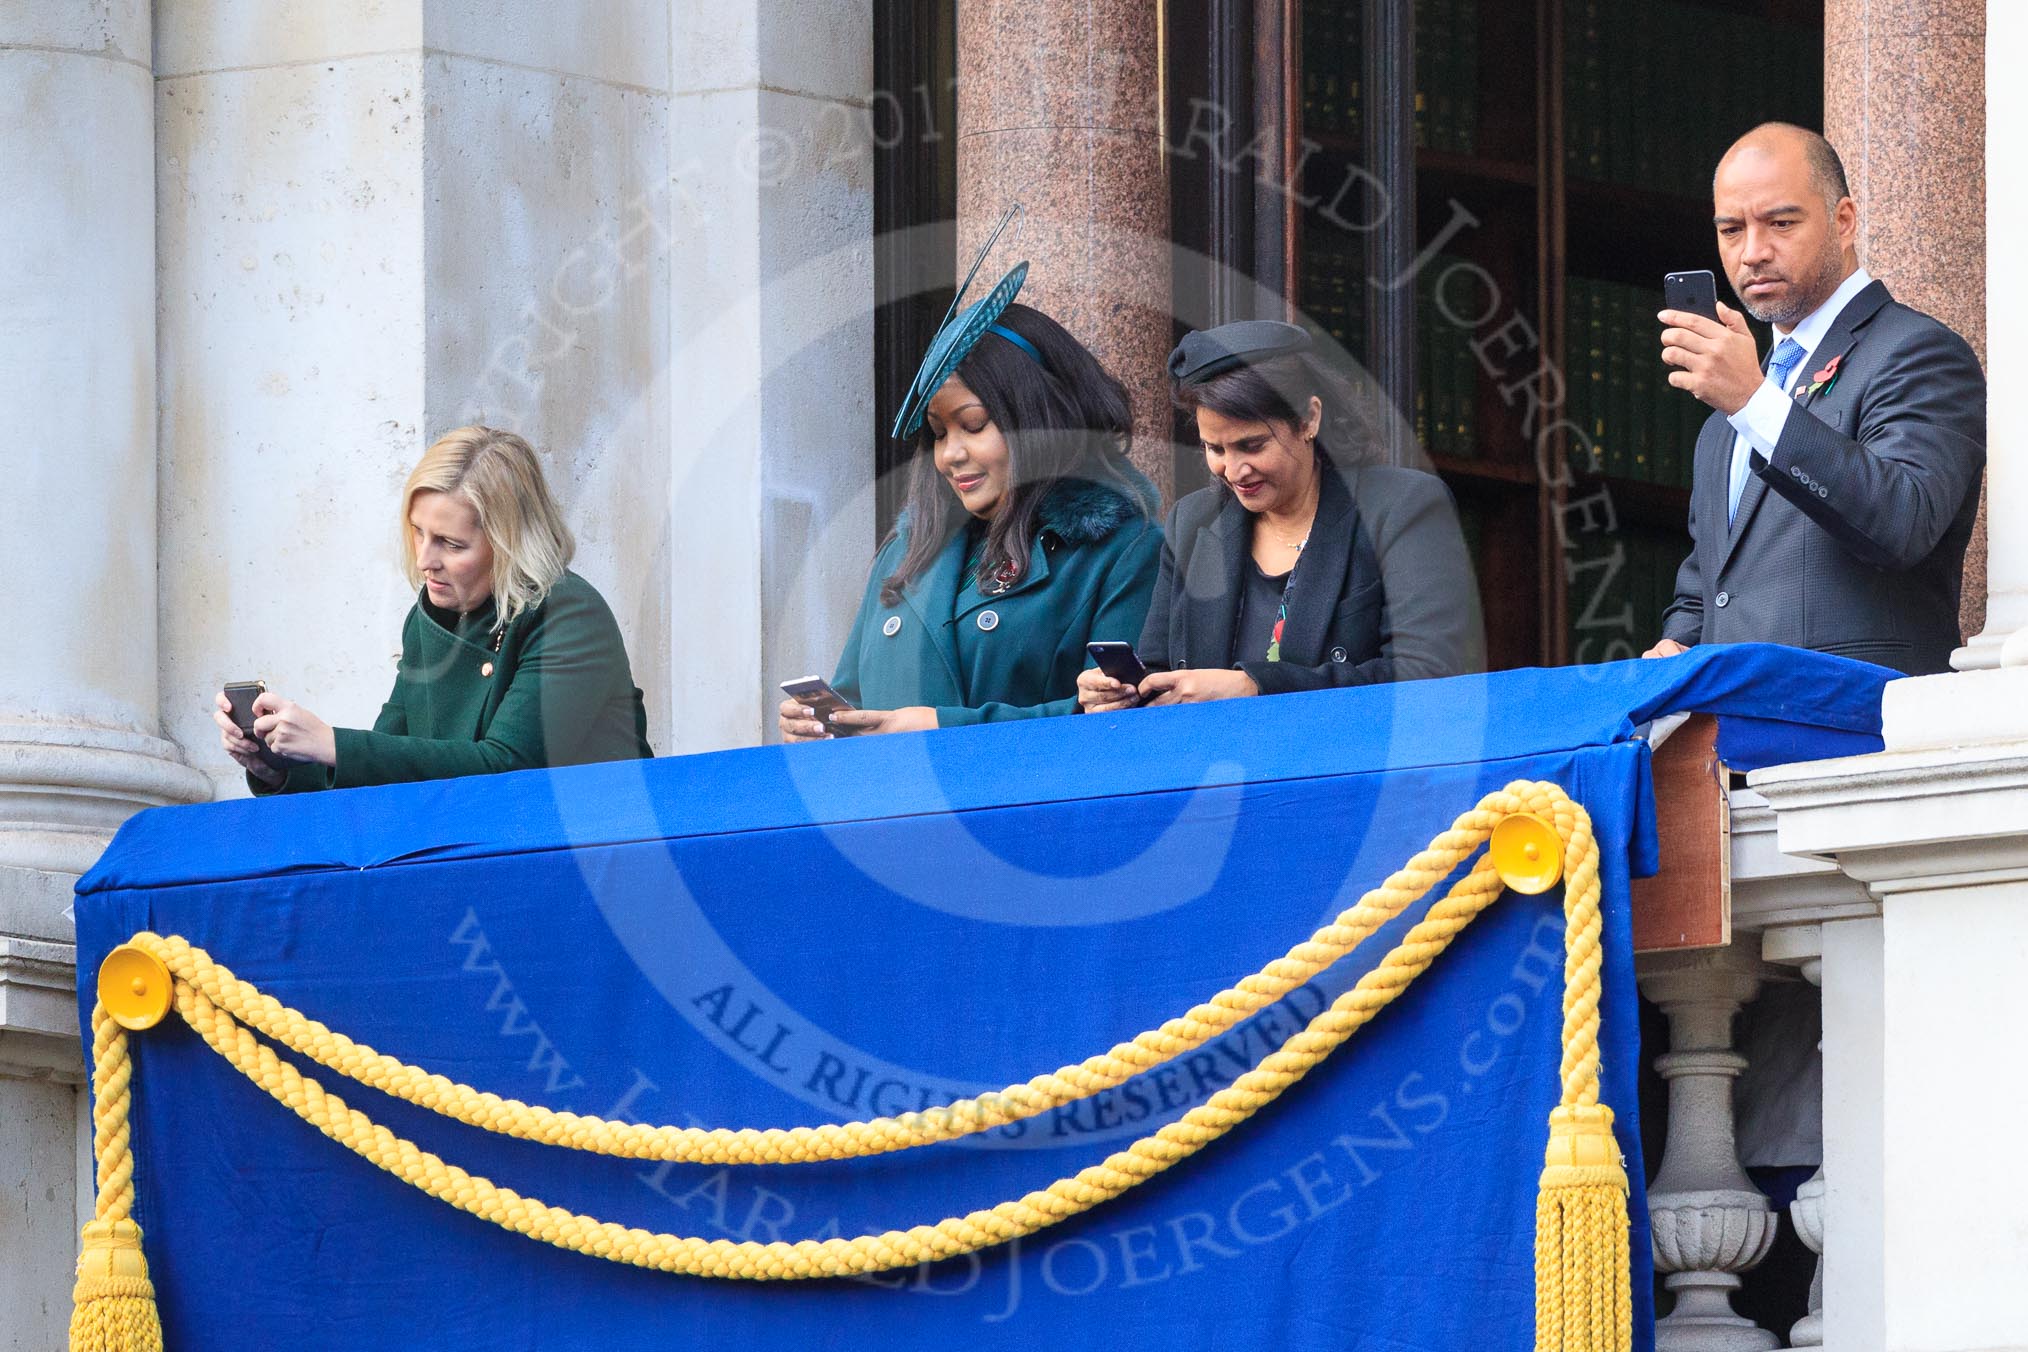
x=1026 y=534
x=509 y=661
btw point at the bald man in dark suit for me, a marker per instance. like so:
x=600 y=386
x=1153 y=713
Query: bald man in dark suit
x=1836 y=486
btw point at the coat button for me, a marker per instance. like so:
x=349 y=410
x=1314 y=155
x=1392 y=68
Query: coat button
x=1337 y=654
x=891 y=626
x=1724 y=599
x=485 y=668
x=989 y=620
x=1823 y=492
x=1795 y=472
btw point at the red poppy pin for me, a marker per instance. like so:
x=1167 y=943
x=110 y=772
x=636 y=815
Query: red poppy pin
x=1822 y=380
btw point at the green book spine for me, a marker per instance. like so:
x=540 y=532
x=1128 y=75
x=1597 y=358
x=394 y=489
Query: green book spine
x=1662 y=414
x=1647 y=59
x=1573 y=83
x=1595 y=343
x=1576 y=365
x=1435 y=72
x=1443 y=411
x=1619 y=453
x=1467 y=29
x=1640 y=386
x=1423 y=20
x=1594 y=90
x=1330 y=74
x=1465 y=393
x=1425 y=329
x=1352 y=43
x=1618 y=96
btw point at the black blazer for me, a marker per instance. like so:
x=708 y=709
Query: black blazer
x=1852 y=538
x=1383 y=591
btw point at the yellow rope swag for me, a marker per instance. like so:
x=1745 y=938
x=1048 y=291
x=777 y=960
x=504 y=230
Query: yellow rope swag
x=1583 y=1298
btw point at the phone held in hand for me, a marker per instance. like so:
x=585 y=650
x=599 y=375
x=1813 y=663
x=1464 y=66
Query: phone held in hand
x=241 y=696
x=1119 y=661
x=1692 y=292
x=816 y=693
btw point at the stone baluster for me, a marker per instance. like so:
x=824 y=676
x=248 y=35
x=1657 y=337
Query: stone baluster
x=1709 y=1222
x=1806 y=1213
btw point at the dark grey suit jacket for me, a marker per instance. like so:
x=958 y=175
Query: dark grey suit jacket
x=1851 y=539
x=1383 y=591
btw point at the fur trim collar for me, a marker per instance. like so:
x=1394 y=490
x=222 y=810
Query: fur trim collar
x=1083 y=511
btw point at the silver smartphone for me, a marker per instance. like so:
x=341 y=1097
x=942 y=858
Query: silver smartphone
x=816 y=693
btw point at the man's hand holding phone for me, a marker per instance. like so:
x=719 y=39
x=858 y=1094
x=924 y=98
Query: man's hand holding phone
x=1716 y=360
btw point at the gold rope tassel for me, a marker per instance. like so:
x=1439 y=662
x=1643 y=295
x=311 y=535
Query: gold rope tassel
x=1583 y=1293
x=113 y=1305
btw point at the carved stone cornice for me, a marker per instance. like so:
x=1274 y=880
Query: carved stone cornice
x=38 y=1010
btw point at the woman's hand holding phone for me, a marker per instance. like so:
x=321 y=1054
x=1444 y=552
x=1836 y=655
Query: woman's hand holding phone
x=1098 y=693
x=291 y=730
x=798 y=722
x=912 y=718
x=244 y=750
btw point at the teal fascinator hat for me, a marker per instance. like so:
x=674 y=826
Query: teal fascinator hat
x=961 y=331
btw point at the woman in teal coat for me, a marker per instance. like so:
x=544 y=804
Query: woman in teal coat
x=509 y=661
x=1026 y=535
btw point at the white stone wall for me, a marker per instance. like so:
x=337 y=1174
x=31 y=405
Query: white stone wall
x=772 y=379
x=290 y=249
x=640 y=235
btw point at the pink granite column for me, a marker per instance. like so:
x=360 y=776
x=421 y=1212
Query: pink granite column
x=1059 y=107
x=1905 y=104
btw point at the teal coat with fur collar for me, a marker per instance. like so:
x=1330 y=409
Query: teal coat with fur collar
x=977 y=658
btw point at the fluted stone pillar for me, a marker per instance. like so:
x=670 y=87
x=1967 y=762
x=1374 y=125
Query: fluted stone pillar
x=1905 y=103
x=1708 y=1221
x=1059 y=108
x=80 y=748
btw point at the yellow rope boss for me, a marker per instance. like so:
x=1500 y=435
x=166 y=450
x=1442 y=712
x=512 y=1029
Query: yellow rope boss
x=1537 y=836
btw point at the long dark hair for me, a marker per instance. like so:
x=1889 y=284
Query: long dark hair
x=1279 y=390
x=1065 y=418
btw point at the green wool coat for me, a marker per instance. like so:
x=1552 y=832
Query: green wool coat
x=977 y=658
x=557 y=692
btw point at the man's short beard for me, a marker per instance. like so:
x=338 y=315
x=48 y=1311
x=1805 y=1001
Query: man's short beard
x=1803 y=301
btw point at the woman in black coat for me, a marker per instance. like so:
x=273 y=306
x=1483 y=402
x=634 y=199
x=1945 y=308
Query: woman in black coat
x=1303 y=567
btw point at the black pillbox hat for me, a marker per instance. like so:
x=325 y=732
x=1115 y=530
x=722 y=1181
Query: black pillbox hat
x=1205 y=353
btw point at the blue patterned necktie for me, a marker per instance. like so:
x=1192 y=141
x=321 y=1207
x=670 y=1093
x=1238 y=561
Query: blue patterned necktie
x=1786 y=354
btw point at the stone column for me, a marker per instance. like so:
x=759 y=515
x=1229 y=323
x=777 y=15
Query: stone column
x=79 y=735
x=1708 y=1220
x=2006 y=309
x=1905 y=103
x=1059 y=107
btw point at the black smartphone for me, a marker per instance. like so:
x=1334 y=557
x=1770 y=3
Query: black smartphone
x=816 y=693
x=1119 y=661
x=241 y=696
x=1692 y=292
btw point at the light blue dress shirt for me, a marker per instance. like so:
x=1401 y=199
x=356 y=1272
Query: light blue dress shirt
x=1760 y=422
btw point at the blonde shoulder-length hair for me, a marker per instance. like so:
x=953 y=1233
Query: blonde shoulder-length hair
x=497 y=475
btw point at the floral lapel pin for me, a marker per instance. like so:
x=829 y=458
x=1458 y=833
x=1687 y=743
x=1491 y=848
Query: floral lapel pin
x=1822 y=380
